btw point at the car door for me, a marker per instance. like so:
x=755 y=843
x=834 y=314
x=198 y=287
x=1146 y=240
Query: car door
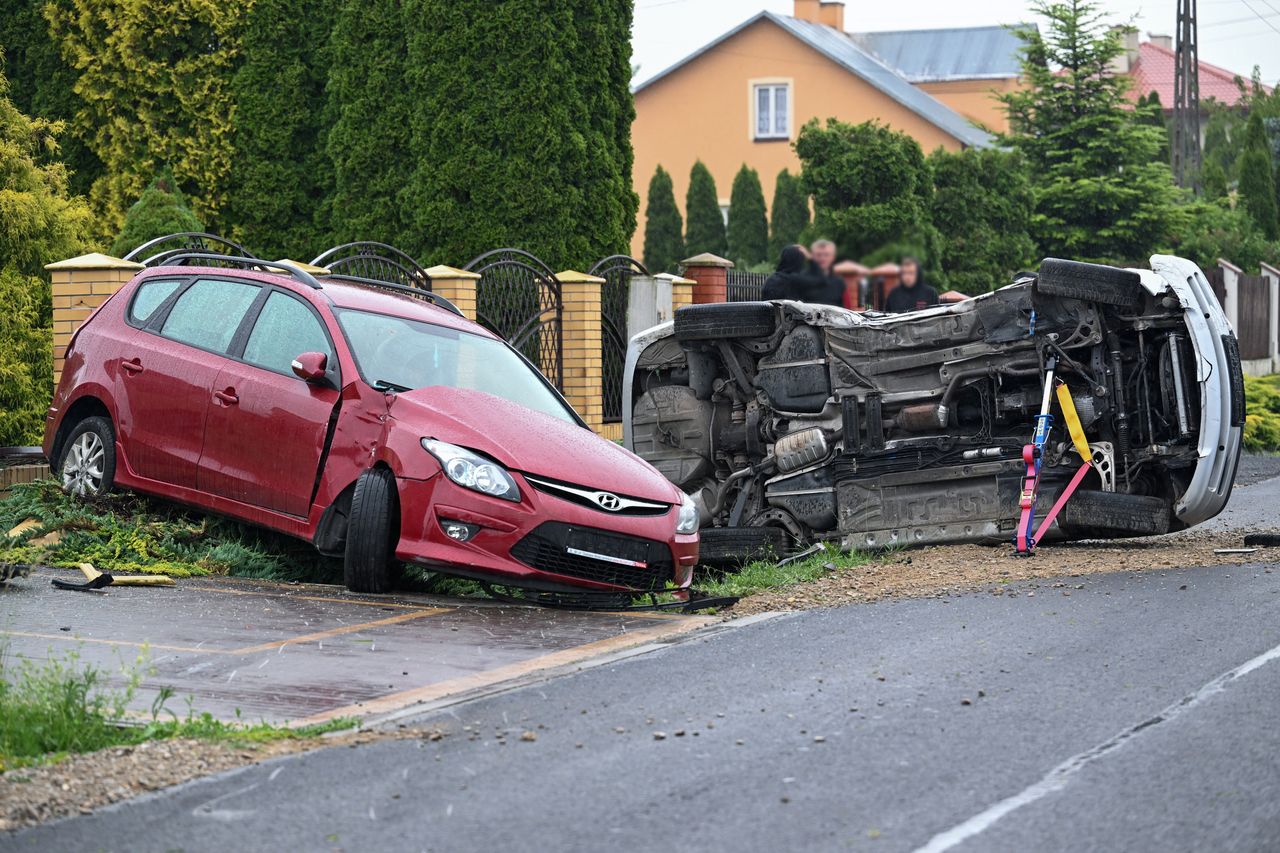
x=266 y=428
x=167 y=368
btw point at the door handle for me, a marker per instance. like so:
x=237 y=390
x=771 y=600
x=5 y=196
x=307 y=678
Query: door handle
x=134 y=366
x=228 y=397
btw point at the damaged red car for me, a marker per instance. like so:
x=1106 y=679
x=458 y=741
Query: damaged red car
x=369 y=418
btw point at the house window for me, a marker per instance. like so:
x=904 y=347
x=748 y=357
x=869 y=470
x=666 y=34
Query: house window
x=773 y=113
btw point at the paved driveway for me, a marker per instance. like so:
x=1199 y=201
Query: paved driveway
x=306 y=653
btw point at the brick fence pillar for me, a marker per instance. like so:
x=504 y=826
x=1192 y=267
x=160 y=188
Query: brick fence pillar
x=458 y=286
x=79 y=286
x=681 y=291
x=710 y=275
x=583 y=376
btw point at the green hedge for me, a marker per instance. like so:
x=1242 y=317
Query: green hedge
x=1262 y=412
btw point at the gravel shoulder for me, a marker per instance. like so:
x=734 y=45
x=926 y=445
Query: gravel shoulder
x=81 y=783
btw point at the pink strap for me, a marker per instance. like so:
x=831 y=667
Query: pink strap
x=1062 y=500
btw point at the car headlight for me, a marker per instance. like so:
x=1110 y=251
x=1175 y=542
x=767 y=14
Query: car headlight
x=472 y=471
x=687 y=520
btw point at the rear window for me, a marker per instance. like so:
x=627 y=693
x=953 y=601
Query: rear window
x=150 y=296
x=208 y=313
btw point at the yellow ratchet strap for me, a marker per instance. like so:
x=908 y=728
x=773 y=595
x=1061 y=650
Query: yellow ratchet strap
x=1073 y=422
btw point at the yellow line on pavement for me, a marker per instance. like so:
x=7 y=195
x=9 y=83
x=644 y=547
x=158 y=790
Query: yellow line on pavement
x=78 y=639
x=344 y=629
x=430 y=692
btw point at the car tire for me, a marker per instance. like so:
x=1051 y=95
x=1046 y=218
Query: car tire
x=1111 y=515
x=88 y=464
x=371 y=533
x=1089 y=282
x=733 y=547
x=724 y=320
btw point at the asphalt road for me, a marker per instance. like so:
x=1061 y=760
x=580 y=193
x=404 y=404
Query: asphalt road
x=1135 y=713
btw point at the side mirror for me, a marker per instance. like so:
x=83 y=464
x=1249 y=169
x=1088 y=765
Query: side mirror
x=310 y=366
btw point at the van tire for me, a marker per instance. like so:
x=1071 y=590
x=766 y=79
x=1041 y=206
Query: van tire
x=1089 y=282
x=1112 y=515
x=726 y=320
x=371 y=533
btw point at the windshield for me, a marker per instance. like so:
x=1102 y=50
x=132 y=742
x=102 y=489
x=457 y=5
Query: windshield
x=394 y=353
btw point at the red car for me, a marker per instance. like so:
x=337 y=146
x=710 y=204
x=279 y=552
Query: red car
x=368 y=418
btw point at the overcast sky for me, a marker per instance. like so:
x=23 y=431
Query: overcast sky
x=1234 y=34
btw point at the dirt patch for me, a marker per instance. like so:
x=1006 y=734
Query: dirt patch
x=82 y=783
x=946 y=569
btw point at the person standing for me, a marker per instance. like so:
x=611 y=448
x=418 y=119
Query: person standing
x=794 y=278
x=912 y=293
x=831 y=290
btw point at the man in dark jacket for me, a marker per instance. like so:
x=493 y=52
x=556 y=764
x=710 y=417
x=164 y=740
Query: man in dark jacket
x=823 y=258
x=912 y=293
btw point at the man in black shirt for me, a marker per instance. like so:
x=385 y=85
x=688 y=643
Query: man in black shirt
x=912 y=293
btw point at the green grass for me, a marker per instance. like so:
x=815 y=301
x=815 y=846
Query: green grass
x=57 y=707
x=130 y=533
x=763 y=575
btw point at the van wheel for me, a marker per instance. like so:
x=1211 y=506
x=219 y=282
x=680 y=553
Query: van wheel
x=371 y=532
x=1114 y=515
x=1089 y=282
x=88 y=464
x=725 y=320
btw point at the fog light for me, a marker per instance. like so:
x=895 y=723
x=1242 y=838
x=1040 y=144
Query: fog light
x=459 y=530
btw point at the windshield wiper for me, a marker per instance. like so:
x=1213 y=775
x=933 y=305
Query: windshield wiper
x=384 y=386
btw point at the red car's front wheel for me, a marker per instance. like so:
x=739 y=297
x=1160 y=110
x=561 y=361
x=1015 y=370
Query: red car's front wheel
x=371 y=529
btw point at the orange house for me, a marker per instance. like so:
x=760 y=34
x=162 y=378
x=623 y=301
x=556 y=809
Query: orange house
x=743 y=97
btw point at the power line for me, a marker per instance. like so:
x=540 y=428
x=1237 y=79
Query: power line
x=1261 y=17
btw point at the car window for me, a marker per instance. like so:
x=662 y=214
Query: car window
x=149 y=297
x=283 y=331
x=410 y=354
x=208 y=313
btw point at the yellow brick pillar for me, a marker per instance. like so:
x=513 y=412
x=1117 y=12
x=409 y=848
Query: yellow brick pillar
x=681 y=290
x=79 y=286
x=458 y=286
x=583 y=360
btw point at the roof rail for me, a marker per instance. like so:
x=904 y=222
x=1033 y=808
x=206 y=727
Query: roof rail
x=247 y=263
x=182 y=242
x=433 y=298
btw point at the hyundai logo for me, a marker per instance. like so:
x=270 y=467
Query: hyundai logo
x=608 y=501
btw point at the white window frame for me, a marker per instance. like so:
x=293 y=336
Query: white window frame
x=773 y=86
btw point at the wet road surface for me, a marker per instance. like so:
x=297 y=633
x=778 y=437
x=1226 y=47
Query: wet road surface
x=305 y=653
x=1135 y=713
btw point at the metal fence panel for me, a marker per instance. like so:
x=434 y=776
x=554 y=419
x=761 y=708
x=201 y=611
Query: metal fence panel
x=1254 y=316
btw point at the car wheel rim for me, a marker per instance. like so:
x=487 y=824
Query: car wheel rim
x=86 y=460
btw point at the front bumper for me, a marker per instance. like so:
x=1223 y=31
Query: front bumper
x=528 y=544
x=1221 y=389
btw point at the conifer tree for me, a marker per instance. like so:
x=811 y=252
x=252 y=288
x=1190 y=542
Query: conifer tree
x=747 y=235
x=1257 y=181
x=663 y=228
x=790 y=214
x=704 y=223
x=161 y=210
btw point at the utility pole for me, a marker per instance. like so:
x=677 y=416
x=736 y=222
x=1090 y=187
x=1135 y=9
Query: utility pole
x=1186 y=100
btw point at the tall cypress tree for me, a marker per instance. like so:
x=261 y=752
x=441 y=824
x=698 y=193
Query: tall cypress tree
x=747 y=235
x=42 y=84
x=154 y=79
x=1257 y=182
x=367 y=114
x=520 y=137
x=663 y=228
x=790 y=214
x=704 y=224
x=281 y=171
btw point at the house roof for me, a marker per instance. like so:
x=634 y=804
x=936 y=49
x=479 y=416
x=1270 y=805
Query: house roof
x=1154 y=71
x=843 y=51
x=958 y=53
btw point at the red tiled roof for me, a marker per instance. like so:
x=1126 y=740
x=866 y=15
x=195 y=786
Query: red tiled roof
x=1154 y=70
